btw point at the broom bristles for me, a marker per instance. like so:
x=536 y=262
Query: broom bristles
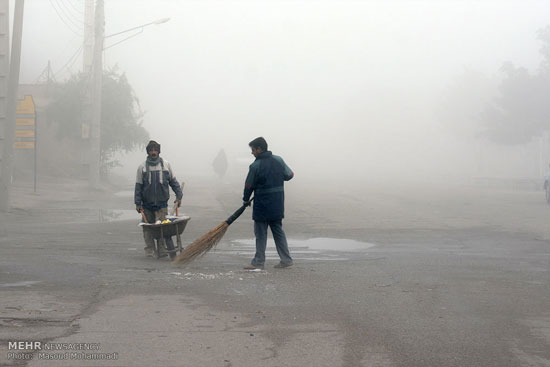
x=202 y=245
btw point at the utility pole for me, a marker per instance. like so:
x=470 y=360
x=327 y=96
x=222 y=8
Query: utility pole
x=97 y=76
x=87 y=61
x=4 y=69
x=9 y=128
x=88 y=46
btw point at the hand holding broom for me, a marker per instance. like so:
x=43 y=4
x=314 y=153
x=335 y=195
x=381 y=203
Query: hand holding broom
x=204 y=244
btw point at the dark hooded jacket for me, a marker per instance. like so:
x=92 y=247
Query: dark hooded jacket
x=266 y=177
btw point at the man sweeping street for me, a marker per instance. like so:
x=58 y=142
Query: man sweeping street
x=152 y=193
x=266 y=177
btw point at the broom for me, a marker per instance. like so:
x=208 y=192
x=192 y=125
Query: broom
x=210 y=239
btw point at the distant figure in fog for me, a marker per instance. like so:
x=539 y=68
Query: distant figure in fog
x=547 y=178
x=220 y=164
x=266 y=177
x=152 y=193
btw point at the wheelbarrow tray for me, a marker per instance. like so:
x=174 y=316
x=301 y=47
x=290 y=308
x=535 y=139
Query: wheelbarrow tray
x=176 y=227
x=163 y=230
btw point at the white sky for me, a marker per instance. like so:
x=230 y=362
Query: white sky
x=332 y=85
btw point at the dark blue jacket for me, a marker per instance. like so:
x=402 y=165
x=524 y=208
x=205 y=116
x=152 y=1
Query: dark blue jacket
x=266 y=177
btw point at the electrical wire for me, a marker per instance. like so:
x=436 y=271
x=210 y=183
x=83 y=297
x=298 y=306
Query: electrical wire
x=44 y=73
x=63 y=20
x=79 y=24
x=71 y=61
x=77 y=10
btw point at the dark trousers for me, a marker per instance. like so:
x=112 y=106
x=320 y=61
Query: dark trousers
x=149 y=235
x=260 y=231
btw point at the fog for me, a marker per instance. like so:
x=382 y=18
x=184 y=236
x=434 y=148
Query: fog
x=342 y=90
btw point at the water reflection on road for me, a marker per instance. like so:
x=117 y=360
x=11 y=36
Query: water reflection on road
x=112 y=215
x=326 y=249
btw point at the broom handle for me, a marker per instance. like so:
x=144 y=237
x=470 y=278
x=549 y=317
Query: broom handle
x=238 y=213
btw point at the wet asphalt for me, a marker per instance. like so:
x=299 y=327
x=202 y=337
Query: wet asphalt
x=449 y=277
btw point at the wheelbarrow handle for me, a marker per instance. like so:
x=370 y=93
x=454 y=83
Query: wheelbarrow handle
x=143 y=216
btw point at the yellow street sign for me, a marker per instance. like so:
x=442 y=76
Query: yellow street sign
x=24 y=121
x=24 y=145
x=25 y=106
x=24 y=133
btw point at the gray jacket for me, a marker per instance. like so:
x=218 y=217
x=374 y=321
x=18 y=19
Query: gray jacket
x=152 y=185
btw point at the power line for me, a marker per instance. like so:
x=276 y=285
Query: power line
x=70 y=46
x=77 y=10
x=71 y=61
x=71 y=18
x=70 y=13
x=63 y=20
x=47 y=74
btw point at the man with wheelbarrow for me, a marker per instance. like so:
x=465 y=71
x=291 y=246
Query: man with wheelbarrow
x=152 y=193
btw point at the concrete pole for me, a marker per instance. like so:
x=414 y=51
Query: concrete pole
x=97 y=76
x=9 y=129
x=88 y=47
x=87 y=61
x=4 y=67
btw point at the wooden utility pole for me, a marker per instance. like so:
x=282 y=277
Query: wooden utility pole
x=9 y=128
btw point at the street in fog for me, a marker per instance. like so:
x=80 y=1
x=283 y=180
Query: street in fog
x=416 y=136
x=452 y=276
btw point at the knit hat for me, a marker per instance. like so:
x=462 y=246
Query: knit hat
x=152 y=144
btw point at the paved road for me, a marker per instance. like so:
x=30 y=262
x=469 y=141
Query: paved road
x=444 y=277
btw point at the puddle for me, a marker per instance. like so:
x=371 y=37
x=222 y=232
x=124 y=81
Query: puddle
x=26 y=283
x=189 y=276
x=314 y=249
x=331 y=244
x=313 y=244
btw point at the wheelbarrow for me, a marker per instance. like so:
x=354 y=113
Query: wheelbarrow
x=174 y=227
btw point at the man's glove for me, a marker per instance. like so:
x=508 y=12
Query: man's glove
x=177 y=202
x=246 y=203
x=138 y=208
